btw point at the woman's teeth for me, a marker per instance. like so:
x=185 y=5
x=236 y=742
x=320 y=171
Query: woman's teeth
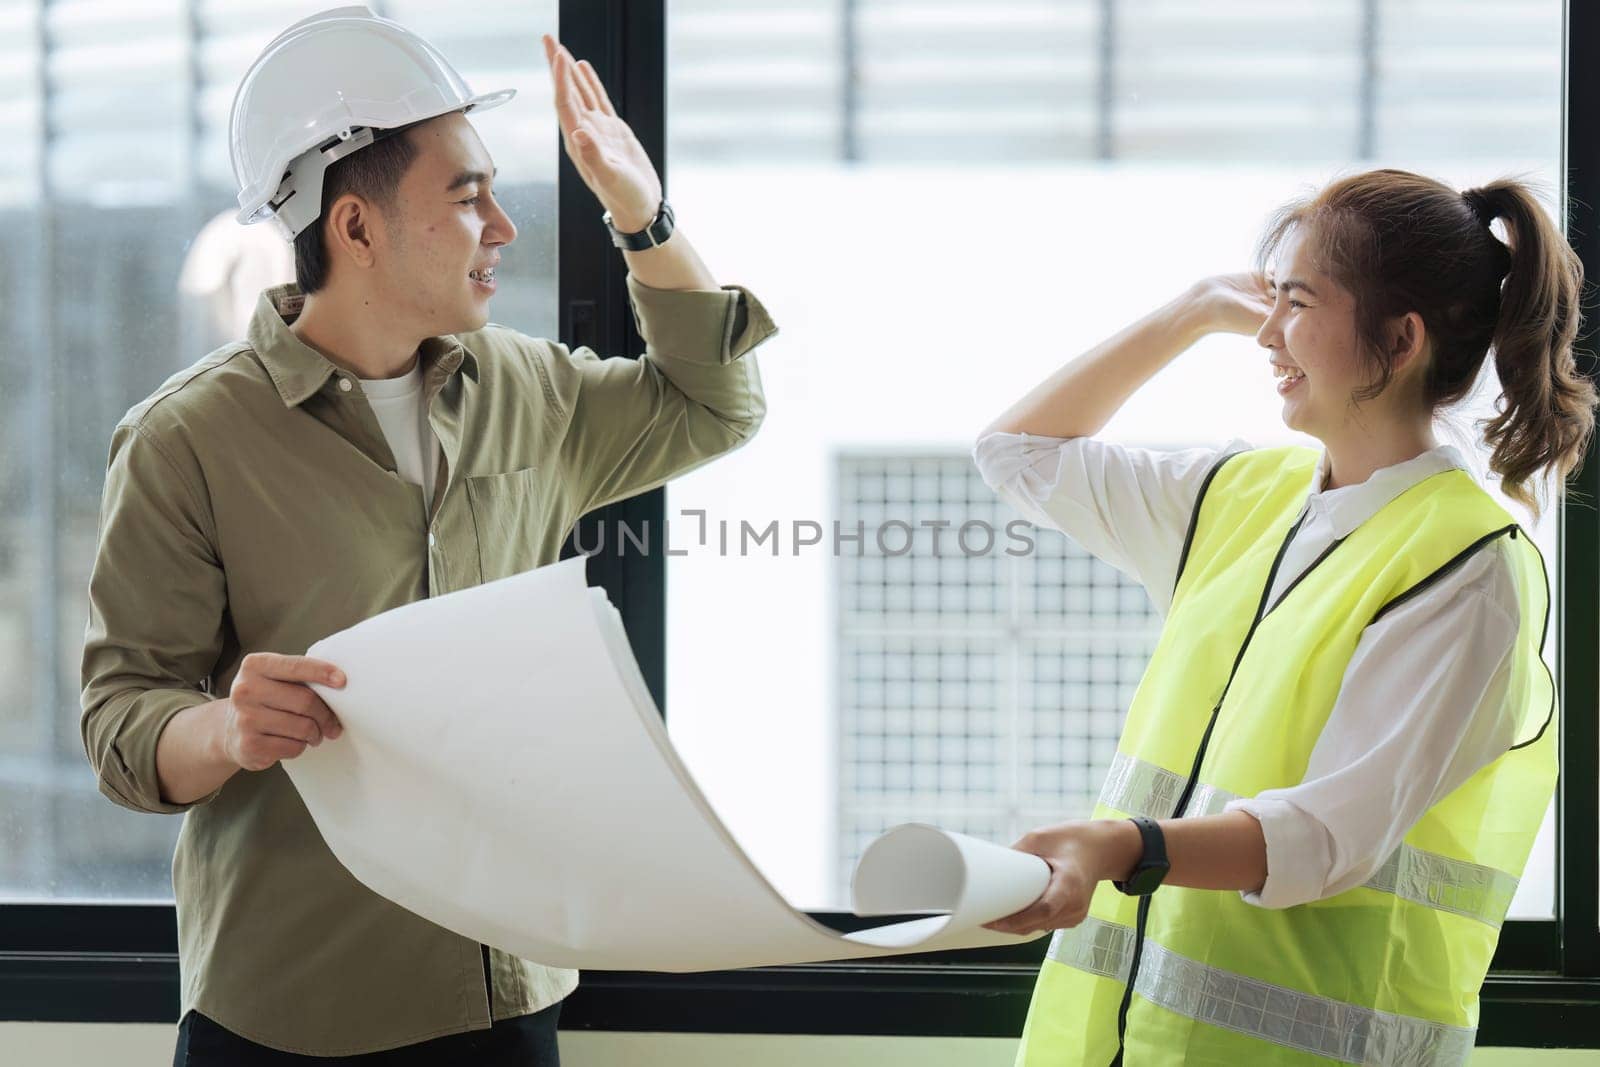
x=1288 y=377
x=484 y=276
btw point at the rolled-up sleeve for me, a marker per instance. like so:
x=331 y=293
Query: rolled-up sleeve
x=694 y=395
x=1128 y=507
x=156 y=604
x=698 y=325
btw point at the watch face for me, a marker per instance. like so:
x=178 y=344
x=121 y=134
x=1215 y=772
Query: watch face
x=1146 y=880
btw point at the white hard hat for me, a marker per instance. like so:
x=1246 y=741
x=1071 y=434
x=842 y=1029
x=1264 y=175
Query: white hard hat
x=317 y=93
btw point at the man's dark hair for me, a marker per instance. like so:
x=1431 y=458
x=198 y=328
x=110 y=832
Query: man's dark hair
x=372 y=173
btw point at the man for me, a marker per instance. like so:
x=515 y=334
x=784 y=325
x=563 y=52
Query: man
x=373 y=441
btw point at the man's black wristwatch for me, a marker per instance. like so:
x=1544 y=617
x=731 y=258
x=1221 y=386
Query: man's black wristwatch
x=1152 y=866
x=659 y=229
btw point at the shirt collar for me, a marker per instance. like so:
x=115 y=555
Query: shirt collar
x=299 y=371
x=1348 y=506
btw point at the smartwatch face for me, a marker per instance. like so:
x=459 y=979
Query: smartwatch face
x=1146 y=881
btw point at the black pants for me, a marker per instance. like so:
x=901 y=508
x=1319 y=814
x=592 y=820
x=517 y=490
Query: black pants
x=525 y=1041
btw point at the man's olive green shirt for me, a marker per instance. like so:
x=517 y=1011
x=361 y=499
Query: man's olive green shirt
x=252 y=504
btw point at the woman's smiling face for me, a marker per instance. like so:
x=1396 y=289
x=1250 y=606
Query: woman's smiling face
x=1311 y=334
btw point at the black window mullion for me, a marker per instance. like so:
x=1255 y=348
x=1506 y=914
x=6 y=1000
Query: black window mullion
x=625 y=41
x=1578 y=810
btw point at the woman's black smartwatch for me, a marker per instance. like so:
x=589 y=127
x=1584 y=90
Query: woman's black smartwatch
x=659 y=229
x=1152 y=866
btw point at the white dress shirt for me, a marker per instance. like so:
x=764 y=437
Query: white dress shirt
x=1423 y=703
x=398 y=404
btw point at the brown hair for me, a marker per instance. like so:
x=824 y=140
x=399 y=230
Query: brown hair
x=1400 y=242
x=372 y=173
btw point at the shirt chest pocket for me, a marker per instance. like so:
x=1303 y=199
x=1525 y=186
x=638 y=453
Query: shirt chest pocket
x=507 y=518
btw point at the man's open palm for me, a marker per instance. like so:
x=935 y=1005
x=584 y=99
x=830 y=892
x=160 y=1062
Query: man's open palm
x=608 y=156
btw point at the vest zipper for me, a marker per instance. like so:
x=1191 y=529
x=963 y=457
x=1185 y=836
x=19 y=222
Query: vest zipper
x=1200 y=754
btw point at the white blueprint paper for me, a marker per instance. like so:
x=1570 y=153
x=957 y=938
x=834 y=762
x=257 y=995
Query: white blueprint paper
x=504 y=773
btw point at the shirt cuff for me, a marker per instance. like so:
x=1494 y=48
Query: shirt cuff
x=130 y=775
x=699 y=325
x=1299 y=852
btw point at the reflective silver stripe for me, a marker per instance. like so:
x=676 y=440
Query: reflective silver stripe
x=1427 y=878
x=1332 y=1028
x=1469 y=889
x=1345 y=1032
x=1136 y=787
x=1096 y=946
x=1140 y=788
x=1208 y=800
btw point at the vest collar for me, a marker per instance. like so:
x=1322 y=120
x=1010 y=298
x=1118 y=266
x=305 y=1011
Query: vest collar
x=1348 y=506
x=299 y=371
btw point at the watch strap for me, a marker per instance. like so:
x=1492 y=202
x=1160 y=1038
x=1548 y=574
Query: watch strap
x=656 y=232
x=1153 y=865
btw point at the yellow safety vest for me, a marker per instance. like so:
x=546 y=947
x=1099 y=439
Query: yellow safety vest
x=1235 y=697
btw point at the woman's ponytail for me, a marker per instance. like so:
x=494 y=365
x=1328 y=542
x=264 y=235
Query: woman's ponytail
x=1545 y=413
x=1401 y=242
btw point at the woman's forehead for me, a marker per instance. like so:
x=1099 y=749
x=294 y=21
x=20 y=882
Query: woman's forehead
x=1295 y=257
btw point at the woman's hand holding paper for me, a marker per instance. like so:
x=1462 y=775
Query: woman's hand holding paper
x=1080 y=855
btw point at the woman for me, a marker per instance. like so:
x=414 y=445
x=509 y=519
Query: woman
x=1347 y=721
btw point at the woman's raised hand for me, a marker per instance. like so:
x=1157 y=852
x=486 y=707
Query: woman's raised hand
x=1233 y=303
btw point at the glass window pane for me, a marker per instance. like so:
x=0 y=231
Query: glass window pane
x=125 y=264
x=951 y=200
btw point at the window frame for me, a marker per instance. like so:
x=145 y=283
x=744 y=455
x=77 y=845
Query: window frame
x=118 y=962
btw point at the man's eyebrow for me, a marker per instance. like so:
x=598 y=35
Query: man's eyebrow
x=467 y=177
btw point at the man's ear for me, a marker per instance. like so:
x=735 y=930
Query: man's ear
x=350 y=229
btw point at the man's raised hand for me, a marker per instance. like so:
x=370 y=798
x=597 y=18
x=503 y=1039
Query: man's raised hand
x=610 y=159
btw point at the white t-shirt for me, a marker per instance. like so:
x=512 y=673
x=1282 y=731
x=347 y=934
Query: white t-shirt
x=1423 y=702
x=398 y=404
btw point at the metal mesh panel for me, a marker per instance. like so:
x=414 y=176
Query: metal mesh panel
x=981 y=688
